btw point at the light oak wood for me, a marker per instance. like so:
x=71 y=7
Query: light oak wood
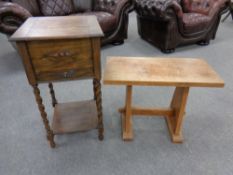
x=179 y=72
x=74 y=116
x=158 y=112
x=127 y=130
x=175 y=121
x=62 y=27
x=182 y=72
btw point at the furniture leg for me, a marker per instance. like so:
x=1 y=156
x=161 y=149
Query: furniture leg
x=94 y=89
x=54 y=100
x=174 y=121
x=97 y=96
x=50 y=135
x=127 y=131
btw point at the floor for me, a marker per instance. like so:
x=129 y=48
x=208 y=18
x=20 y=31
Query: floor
x=208 y=126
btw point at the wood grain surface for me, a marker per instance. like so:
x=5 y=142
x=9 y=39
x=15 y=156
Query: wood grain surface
x=182 y=72
x=74 y=116
x=62 y=27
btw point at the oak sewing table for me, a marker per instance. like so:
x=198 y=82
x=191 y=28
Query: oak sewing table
x=61 y=49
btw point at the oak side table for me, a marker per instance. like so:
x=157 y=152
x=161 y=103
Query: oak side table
x=183 y=73
x=60 y=49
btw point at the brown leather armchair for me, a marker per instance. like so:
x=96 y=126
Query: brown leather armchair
x=111 y=14
x=169 y=23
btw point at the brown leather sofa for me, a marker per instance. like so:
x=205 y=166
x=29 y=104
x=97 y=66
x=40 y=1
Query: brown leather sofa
x=169 y=23
x=112 y=15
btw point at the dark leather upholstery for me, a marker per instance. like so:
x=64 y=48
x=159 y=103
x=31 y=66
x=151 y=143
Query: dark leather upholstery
x=169 y=23
x=107 y=21
x=83 y=5
x=111 y=14
x=56 y=7
x=13 y=15
x=195 y=22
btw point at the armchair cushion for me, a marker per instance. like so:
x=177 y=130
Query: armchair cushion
x=56 y=7
x=195 y=22
x=205 y=7
x=196 y=6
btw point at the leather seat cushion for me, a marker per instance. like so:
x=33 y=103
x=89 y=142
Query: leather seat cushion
x=197 y=6
x=195 y=22
x=107 y=21
x=56 y=7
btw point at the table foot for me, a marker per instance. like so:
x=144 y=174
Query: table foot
x=174 y=122
x=50 y=139
x=127 y=133
x=176 y=138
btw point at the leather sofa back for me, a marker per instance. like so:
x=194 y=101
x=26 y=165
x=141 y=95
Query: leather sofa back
x=83 y=5
x=198 y=6
x=33 y=6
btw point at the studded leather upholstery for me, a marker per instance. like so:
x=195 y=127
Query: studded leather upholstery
x=169 y=23
x=107 y=21
x=112 y=15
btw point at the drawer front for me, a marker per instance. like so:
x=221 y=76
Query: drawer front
x=70 y=74
x=62 y=58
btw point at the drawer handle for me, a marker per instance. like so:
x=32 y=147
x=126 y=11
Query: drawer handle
x=60 y=54
x=68 y=74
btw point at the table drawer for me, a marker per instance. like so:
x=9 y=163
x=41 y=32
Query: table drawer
x=62 y=58
x=70 y=74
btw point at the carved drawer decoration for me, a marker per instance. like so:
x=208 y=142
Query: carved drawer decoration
x=62 y=60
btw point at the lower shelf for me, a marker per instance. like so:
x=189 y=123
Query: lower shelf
x=74 y=116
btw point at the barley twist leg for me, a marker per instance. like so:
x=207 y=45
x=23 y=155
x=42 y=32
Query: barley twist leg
x=54 y=100
x=97 y=92
x=50 y=135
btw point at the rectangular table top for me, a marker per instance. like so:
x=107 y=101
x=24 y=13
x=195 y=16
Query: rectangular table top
x=179 y=72
x=62 y=27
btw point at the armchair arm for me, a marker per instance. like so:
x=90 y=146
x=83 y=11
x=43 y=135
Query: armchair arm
x=157 y=8
x=112 y=6
x=219 y=6
x=11 y=17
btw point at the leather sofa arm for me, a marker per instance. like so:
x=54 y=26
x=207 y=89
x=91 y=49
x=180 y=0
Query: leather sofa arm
x=114 y=7
x=220 y=5
x=12 y=16
x=158 y=8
